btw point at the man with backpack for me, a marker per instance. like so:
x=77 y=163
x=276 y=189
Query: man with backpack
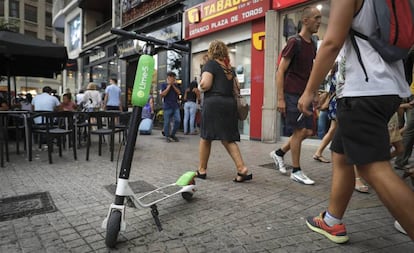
x=364 y=106
x=292 y=75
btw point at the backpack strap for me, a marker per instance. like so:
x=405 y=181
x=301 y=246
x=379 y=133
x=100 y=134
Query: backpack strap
x=354 y=33
x=298 y=46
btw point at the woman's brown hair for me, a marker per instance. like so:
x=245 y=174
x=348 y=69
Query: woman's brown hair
x=218 y=50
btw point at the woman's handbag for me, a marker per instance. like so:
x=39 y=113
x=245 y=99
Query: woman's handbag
x=242 y=106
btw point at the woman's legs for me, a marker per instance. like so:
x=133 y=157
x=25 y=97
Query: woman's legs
x=187 y=112
x=234 y=151
x=326 y=139
x=359 y=184
x=192 y=112
x=204 y=154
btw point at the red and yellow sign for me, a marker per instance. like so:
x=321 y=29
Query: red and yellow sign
x=281 y=4
x=216 y=15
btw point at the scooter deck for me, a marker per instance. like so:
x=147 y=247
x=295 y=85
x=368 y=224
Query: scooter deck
x=159 y=194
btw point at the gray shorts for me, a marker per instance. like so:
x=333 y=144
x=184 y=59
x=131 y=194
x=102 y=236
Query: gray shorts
x=362 y=133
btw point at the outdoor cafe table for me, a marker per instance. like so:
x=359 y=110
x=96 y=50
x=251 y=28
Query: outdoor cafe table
x=3 y=118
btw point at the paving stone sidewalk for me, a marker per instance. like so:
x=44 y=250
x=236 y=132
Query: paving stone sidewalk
x=264 y=215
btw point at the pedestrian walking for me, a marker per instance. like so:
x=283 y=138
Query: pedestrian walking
x=291 y=80
x=367 y=96
x=219 y=113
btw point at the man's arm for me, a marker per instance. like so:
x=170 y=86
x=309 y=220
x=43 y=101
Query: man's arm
x=120 y=101
x=176 y=89
x=280 y=80
x=105 y=101
x=57 y=104
x=165 y=89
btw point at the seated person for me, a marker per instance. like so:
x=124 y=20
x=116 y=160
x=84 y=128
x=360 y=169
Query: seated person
x=3 y=104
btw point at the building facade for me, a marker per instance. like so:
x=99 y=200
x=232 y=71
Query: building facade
x=33 y=18
x=255 y=31
x=97 y=55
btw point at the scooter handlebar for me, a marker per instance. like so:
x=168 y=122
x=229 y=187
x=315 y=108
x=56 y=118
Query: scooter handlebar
x=142 y=37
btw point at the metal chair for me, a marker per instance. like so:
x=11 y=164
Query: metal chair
x=122 y=125
x=105 y=125
x=56 y=125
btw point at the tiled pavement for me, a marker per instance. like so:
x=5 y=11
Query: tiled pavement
x=264 y=215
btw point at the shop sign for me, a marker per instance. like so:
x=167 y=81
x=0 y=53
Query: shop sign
x=215 y=15
x=133 y=10
x=99 y=55
x=281 y=4
x=171 y=33
x=128 y=48
x=258 y=40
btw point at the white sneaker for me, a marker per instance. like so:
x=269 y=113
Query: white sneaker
x=399 y=228
x=298 y=176
x=280 y=163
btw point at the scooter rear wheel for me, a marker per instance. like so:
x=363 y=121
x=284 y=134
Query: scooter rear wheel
x=187 y=195
x=112 y=228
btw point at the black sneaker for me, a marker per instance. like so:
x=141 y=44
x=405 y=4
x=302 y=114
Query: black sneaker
x=175 y=138
x=169 y=139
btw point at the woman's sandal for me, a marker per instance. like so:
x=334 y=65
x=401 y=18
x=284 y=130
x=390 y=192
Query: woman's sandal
x=201 y=176
x=320 y=158
x=243 y=177
x=361 y=188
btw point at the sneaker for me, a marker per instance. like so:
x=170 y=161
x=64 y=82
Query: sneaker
x=399 y=228
x=174 y=138
x=169 y=139
x=279 y=162
x=300 y=177
x=336 y=233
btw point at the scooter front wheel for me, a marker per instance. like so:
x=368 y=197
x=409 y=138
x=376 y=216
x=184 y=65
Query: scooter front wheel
x=112 y=228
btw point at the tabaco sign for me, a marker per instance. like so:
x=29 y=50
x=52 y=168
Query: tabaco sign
x=216 y=15
x=281 y=4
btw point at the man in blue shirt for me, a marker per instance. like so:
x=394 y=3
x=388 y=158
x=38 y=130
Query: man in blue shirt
x=44 y=102
x=170 y=92
x=112 y=100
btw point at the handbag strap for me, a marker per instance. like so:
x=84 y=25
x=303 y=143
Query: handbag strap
x=236 y=87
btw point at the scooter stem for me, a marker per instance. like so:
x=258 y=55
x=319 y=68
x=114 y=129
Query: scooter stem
x=129 y=148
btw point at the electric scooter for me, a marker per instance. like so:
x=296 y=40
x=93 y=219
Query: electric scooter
x=185 y=185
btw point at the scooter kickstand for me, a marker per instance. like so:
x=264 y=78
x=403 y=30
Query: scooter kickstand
x=154 y=212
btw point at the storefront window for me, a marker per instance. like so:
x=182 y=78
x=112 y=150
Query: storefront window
x=240 y=58
x=14 y=8
x=174 y=63
x=289 y=21
x=1 y=8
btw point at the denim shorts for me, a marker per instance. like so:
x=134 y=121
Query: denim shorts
x=362 y=133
